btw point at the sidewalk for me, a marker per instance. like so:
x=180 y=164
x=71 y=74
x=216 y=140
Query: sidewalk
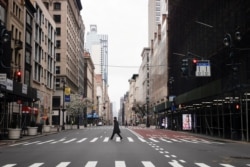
x=26 y=137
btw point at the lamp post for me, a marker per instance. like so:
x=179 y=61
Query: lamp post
x=63 y=109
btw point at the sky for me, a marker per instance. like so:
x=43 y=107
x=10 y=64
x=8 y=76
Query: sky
x=126 y=24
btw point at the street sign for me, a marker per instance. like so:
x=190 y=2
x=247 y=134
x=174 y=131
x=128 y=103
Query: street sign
x=203 y=68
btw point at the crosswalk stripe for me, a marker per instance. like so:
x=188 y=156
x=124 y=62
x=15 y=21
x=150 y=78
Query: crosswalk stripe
x=61 y=140
x=106 y=139
x=227 y=165
x=36 y=165
x=175 y=163
x=18 y=144
x=68 y=141
x=147 y=164
x=166 y=140
x=79 y=141
x=93 y=140
x=63 y=164
x=45 y=142
x=202 y=165
x=91 y=164
x=142 y=140
x=117 y=139
x=175 y=140
x=32 y=143
x=188 y=141
x=120 y=164
x=152 y=139
x=130 y=139
x=9 y=165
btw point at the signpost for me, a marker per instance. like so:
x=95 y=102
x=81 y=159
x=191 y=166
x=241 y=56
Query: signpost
x=203 y=68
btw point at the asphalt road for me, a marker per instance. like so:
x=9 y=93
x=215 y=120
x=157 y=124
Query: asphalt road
x=92 y=147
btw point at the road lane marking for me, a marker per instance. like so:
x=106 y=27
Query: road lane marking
x=32 y=143
x=93 y=140
x=147 y=164
x=46 y=141
x=130 y=139
x=18 y=144
x=162 y=139
x=118 y=139
x=63 y=164
x=91 y=164
x=68 y=141
x=120 y=164
x=82 y=140
x=152 y=139
x=201 y=165
x=142 y=140
x=227 y=165
x=58 y=141
x=106 y=139
x=9 y=165
x=36 y=165
x=175 y=163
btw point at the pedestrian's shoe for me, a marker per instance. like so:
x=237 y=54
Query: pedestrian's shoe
x=121 y=138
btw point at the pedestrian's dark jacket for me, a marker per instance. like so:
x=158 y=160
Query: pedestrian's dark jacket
x=116 y=127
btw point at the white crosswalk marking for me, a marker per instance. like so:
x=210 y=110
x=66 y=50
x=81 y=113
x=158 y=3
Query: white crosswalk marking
x=152 y=139
x=61 y=140
x=94 y=140
x=175 y=163
x=106 y=139
x=141 y=139
x=227 y=165
x=79 y=141
x=63 y=164
x=201 y=165
x=147 y=164
x=117 y=139
x=130 y=139
x=68 y=141
x=162 y=139
x=91 y=164
x=18 y=144
x=9 y=165
x=36 y=165
x=120 y=164
x=45 y=142
x=32 y=143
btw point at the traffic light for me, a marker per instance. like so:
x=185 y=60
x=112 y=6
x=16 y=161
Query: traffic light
x=193 y=65
x=184 y=67
x=237 y=106
x=19 y=76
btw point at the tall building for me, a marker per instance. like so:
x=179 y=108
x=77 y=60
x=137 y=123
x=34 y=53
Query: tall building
x=66 y=15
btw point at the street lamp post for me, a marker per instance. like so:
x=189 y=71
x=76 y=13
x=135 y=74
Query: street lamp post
x=63 y=109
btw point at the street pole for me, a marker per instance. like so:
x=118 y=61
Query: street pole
x=63 y=110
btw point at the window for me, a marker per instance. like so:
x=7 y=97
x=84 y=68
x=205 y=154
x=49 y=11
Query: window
x=57 y=69
x=58 y=31
x=57 y=6
x=46 y=4
x=28 y=38
x=58 y=43
x=58 y=57
x=57 y=18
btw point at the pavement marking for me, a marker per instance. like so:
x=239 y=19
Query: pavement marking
x=175 y=140
x=201 y=164
x=58 y=141
x=63 y=164
x=118 y=139
x=227 y=165
x=130 y=139
x=9 y=165
x=68 y=141
x=152 y=139
x=91 y=164
x=32 y=143
x=36 y=165
x=147 y=164
x=120 y=164
x=79 y=141
x=162 y=139
x=106 y=139
x=94 y=140
x=45 y=142
x=175 y=163
x=141 y=139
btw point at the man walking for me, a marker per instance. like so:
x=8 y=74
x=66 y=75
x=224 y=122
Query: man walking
x=116 y=129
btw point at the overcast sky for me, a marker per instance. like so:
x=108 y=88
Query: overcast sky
x=125 y=23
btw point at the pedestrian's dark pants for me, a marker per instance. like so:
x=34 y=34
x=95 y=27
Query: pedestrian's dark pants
x=114 y=134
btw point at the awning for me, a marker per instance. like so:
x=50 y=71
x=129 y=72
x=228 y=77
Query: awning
x=29 y=110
